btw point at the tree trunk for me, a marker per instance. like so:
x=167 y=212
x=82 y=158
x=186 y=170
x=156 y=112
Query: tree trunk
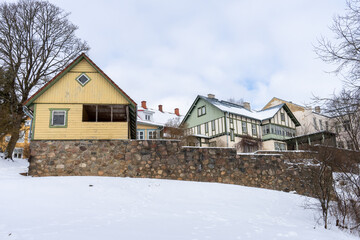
x=13 y=140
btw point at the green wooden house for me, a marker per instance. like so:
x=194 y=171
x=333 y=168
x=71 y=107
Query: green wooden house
x=219 y=123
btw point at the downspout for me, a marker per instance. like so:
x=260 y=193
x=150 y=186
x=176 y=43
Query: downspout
x=226 y=132
x=28 y=113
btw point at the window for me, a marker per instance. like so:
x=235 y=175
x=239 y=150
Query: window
x=266 y=129
x=147 y=117
x=206 y=127
x=337 y=127
x=213 y=125
x=199 y=129
x=321 y=125
x=27 y=123
x=282 y=117
x=349 y=145
x=201 y=111
x=151 y=134
x=83 y=79
x=253 y=129
x=104 y=113
x=340 y=144
x=58 y=117
x=18 y=153
x=280 y=146
x=244 y=127
x=7 y=138
x=140 y=134
x=231 y=120
x=29 y=136
x=346 y=125
x=21 y=137
x=232 y=137
x=315 y=124
x=327 y=125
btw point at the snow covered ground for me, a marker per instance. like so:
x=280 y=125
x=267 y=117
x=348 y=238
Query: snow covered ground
x=123 y=208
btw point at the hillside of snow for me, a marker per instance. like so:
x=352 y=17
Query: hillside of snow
x=74 y=208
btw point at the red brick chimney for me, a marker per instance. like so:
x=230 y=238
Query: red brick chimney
x=143 y=104
x=177 y=111
x=160 y=108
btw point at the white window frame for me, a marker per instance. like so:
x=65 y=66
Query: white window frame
x=138 y=134
x=16 y=152
x=83 y=74
x=52 y=118
x=153 y=133
x=254 y=129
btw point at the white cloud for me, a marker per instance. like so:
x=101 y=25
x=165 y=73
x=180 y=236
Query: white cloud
x=167 y=52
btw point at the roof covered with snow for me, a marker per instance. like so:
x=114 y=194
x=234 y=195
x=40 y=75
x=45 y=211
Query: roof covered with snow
x=238 y=109
x=158 y=118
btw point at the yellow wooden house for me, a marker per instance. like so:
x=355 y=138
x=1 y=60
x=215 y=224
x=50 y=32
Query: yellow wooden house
x=22 y=147
x=82 y=102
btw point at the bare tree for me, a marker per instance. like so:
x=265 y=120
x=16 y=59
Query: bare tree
x=344 y=49
x=36 y=41
x=344 y=109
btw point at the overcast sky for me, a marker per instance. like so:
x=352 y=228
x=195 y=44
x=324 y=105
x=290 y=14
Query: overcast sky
x=167 y=52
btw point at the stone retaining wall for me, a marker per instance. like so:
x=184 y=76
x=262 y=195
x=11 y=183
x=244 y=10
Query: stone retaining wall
x=169 y=160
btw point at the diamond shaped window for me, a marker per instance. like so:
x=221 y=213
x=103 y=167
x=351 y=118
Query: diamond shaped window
x=83 y=79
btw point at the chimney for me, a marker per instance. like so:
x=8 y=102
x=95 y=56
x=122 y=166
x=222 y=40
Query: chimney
x=211 y=95
x=160 y=108
x=177 y=112
x=143 y=104
x=317 y=109
x=247 y=105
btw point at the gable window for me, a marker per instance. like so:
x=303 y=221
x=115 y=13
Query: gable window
x=83 y=79
x=140 y=134
x=244 y=127
x=104 y=113
x=282 y=117
x=147 y=117
x=58 y=117
x=201 y=111
x=253 y=129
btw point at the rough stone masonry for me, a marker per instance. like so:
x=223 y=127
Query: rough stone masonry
x=169 y=160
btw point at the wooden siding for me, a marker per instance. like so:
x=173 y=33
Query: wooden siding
x=211 y=113
x=146 y=128
x=287 y=123
x=68 y=90
x=76 y=128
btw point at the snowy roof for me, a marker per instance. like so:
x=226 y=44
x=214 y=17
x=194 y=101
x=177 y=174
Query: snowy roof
x=237 y=109
x=158 y=118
